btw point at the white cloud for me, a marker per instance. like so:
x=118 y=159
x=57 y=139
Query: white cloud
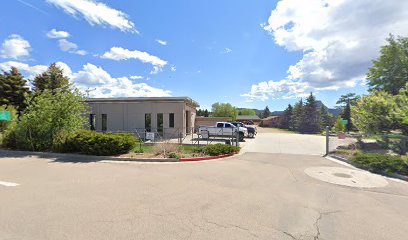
x=135 y=77
x=15 y=47
x=96 y=13
x=53 y=33
x=282 y=89
x=161 y=42
x=173 y=68
x=70 y=47
x=226 y=50
x=338 y=38
x=104 y=85
x=96 y=79
x=30 y=71
x=118 y=53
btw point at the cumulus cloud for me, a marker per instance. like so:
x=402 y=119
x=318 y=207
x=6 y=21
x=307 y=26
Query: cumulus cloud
x=96 y=79
x=104 y=85
x=70 y=47
x=173 y=68
x=30 y=71
x=96 y=13
x=161 y=42
x=15 y=47
x=53 y=33
x=118 y=53
x=338 y=38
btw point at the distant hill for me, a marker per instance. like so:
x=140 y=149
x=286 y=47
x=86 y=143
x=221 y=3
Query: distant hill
x=334 y=111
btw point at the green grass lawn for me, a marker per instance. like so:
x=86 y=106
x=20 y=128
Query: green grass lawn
x=149 y=148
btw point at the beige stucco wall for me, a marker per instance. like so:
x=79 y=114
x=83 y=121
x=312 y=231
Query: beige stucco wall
x=128 y=116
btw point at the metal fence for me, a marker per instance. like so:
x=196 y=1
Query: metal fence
x=370 y=143
x=191 y=136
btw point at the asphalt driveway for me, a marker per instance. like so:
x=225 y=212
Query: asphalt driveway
x=250 y=196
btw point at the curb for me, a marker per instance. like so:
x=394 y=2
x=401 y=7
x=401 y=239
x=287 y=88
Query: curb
x=75 y=157
x=390 y=175
x=205 y=158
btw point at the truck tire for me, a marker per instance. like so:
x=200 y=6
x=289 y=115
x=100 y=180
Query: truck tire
x=251 y=135
x=241 y=136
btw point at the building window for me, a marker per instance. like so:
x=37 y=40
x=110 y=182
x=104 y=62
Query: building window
x=160 y=122
x=148 y=122
x=92 y=122
x=171 y=120
x=104 y=122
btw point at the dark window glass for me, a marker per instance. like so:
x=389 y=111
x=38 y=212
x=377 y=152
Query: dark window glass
x=104 y=122
x=160 y=122
x=92 y=122
x=148 y=122
x=171 y=120
x=220 y=125
x=228 y=125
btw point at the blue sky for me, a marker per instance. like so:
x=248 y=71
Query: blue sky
x=248 y=53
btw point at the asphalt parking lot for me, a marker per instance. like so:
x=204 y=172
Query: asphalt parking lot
x=260 y=194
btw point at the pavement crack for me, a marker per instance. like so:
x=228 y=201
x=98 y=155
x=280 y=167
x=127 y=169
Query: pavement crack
x=231 y=226
x=316 y=223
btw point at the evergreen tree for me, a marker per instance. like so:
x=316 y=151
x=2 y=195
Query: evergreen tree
x=51 y=79
x=346 y=115
x=266 y=112
x=206 y=113
x=13 y=90
x=326 y=117
x=296 y=116
x=286 y=117
x=310 y=117
x=346 y=102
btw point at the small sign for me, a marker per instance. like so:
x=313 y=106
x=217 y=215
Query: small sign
x=150 y=136
x=344 y=121
x=204 y=134
x=5 y=116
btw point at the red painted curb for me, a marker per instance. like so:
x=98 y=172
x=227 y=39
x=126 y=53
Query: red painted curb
x=205 y=158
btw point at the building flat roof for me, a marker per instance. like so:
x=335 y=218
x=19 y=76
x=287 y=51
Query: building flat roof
x=144 y=99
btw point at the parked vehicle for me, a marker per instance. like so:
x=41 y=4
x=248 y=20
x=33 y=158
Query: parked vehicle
x=223 y=129
x=252 y=131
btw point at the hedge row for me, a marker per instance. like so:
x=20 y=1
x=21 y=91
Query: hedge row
x=380 y=163
x=94 y=143
x=217 y=149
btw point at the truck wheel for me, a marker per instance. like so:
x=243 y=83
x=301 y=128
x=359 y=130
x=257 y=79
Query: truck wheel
x=241 y=136
x=251 y=135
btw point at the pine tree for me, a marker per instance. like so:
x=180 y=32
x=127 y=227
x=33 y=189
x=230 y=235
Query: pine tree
x=51 y=79
x=266 y=112
x=296 y=116
x=206 y=113
x=13 y=90
x=346 y=115
x=310 y=118
x=286 y=117
x=326 y=117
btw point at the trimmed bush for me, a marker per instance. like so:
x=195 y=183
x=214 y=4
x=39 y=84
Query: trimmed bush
x=379 y=163
x=95 y=143
x=217 y=149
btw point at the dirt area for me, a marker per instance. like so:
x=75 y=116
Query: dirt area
x=271 y=130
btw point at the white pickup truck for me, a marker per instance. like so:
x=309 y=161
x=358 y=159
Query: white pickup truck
x=223 y=129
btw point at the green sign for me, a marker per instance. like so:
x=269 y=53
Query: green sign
x=5 y=116
x=344 y=122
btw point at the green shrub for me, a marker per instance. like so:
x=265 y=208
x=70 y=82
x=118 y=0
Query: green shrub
x=8 y=139
x=174 y=155
x=94 y=143
x=217 y=149
x=46 y=115
x=381 y=163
